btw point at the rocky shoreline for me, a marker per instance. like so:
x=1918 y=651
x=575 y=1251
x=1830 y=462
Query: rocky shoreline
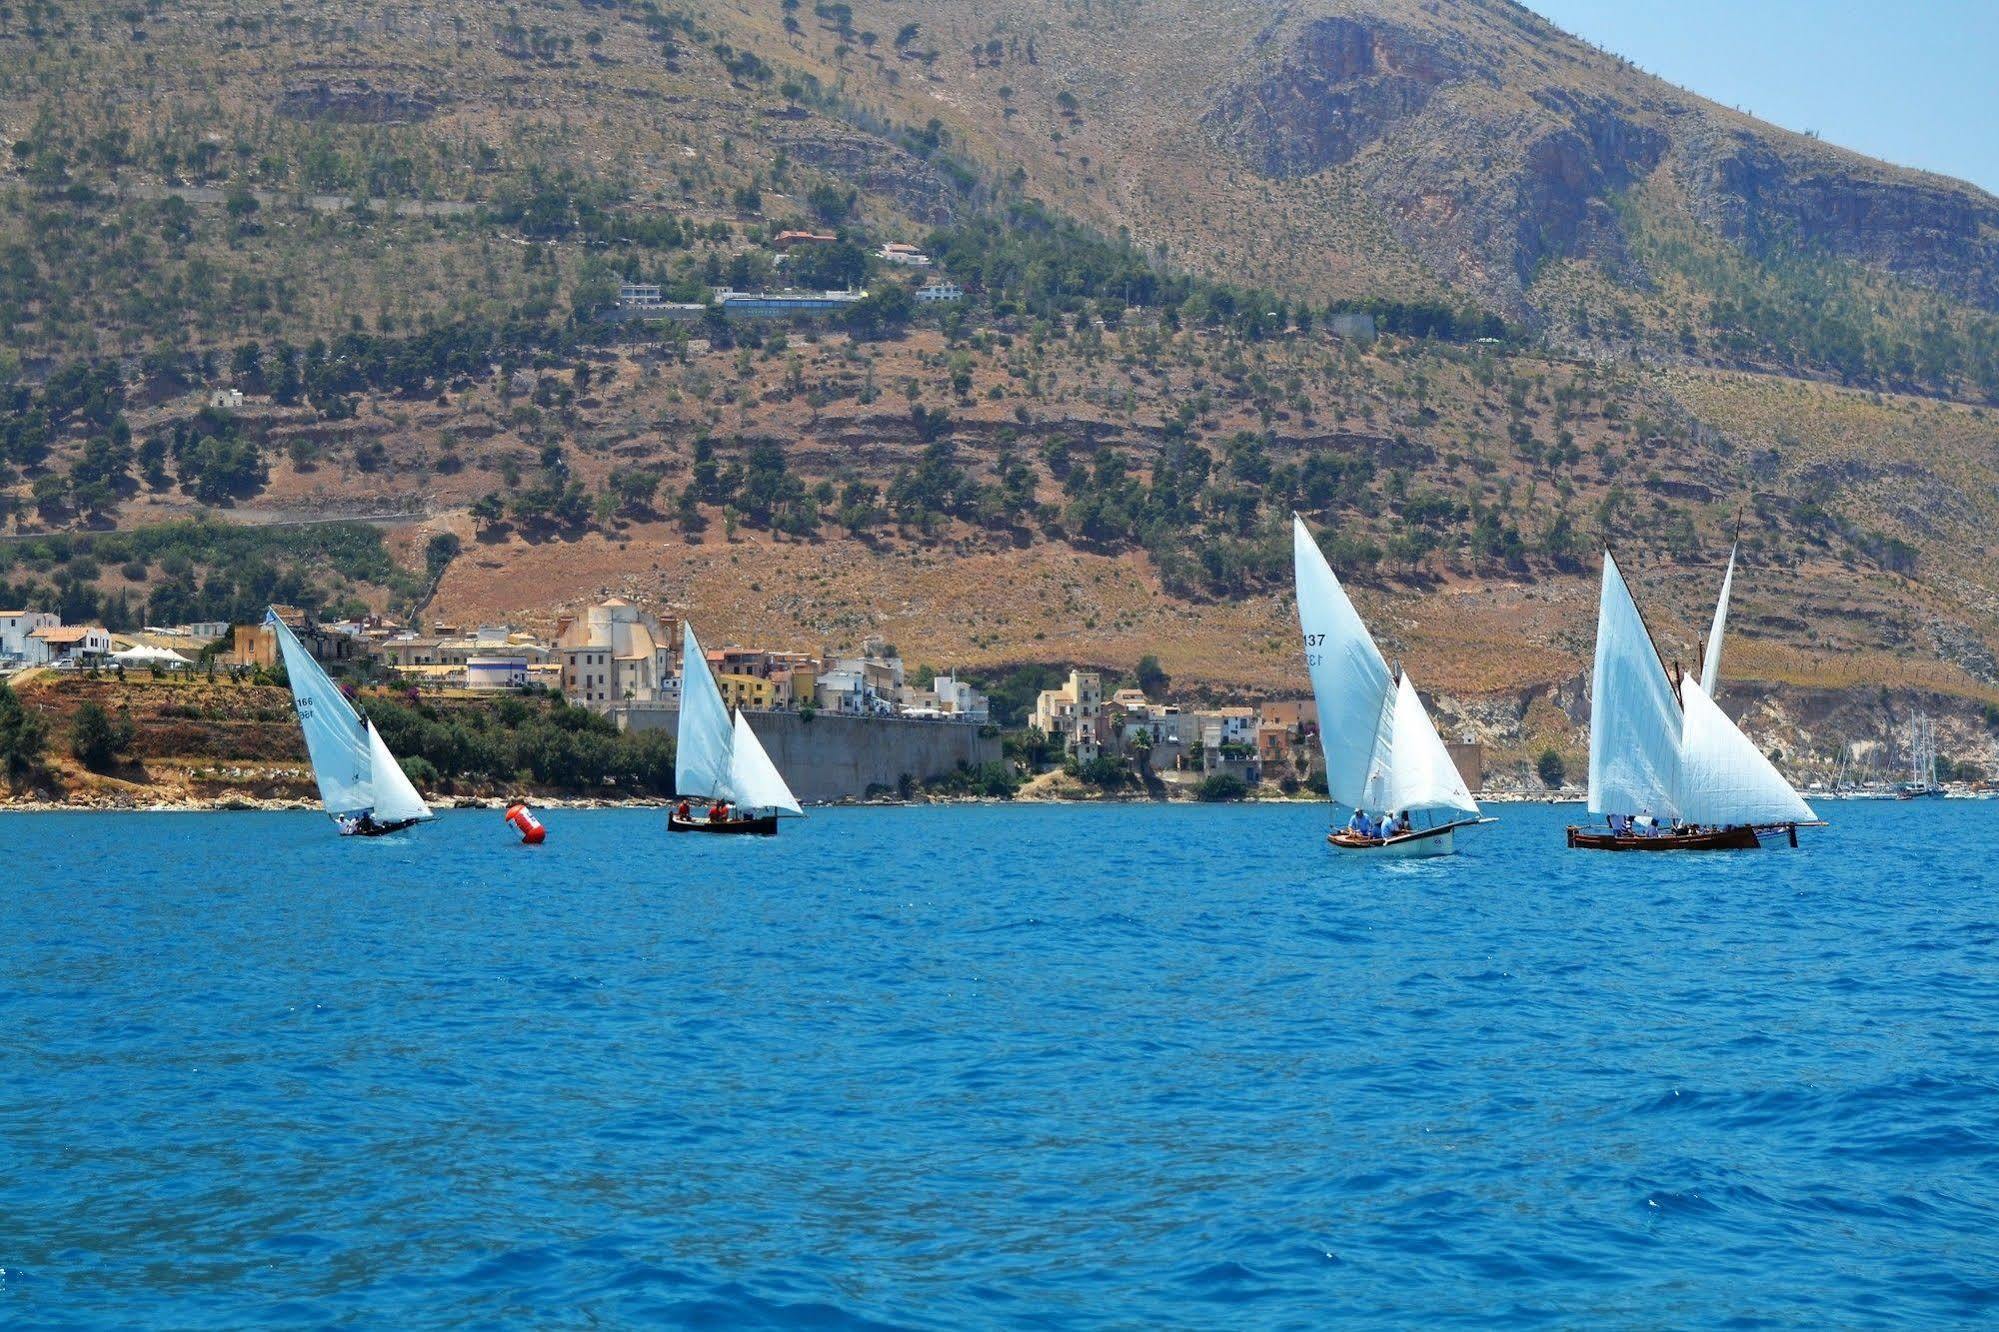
x=99 y=803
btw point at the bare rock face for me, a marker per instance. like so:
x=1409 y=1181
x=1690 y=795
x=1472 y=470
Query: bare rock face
x=1565 y=177
x=354 y=102
x=1340 y=86
x=1938 y=233
x=876 y=166
x=1404 y=113
x=1489 y=167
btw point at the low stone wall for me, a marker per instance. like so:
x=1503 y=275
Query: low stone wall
x=831 y=757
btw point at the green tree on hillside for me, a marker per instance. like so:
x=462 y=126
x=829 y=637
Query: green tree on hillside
x=21 y=736
x=96 y=738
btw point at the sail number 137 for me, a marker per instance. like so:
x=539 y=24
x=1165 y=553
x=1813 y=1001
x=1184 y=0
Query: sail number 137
x=1312 y=641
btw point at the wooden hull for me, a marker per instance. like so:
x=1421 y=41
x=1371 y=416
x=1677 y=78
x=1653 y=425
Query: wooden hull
x=1723 y=839
x=1407 y=846
x=760 y=827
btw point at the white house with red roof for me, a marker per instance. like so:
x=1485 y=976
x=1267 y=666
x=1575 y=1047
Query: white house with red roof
x=68 y=642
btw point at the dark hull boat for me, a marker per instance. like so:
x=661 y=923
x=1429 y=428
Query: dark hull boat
x=362 y=787
x=378 y=829
x=1702 y=839
x=766 y=826
x=1662 y=749
x=718 y=759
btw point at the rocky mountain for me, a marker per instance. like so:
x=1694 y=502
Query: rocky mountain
x=393 y=227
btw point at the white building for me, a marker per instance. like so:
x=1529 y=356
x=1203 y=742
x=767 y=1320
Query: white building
x=78 y=642
x=496 y=673
x=15 y=626
x=907 y=255
x=941 y=291
x=957 y=698
x=842 y=689
x=613 y=652
x=226 y=398
x=1227 y=726
x=870 y=685
x=1074 y=713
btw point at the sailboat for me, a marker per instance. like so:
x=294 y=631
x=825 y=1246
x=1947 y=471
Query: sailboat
x=720 y=759
x=1667 y=768
x=1382 y=750
x=361 y=785
x=1922 y=783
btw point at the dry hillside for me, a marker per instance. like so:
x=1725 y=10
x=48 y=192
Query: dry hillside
x=1615 y=311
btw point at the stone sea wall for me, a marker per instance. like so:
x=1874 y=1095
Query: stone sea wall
x=832 y=757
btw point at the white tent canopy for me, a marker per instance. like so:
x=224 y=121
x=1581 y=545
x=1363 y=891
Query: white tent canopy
x=142 y=655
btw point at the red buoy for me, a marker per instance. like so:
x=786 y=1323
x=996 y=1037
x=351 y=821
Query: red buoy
x=531 y=831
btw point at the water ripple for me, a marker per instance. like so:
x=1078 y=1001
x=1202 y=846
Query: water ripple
x=994 y=1067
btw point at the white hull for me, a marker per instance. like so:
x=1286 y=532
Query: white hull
x=1411 y=846
x=1418 y=847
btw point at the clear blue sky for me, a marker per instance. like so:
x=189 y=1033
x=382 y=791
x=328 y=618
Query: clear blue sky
x=1915 y=82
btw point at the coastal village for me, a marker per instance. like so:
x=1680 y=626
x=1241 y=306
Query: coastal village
x=1092 y=733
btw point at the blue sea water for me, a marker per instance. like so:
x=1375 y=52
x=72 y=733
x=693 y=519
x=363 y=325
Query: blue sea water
x=1114 y=1067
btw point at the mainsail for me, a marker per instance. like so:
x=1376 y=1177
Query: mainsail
x=1724 y=781
x=701 y=746
x=1711 y=663
x=335 y=736
x=714 y=757
x=1634 y=732
x=1349 y=679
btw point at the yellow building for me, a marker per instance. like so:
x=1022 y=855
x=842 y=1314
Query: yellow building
x=748 y=691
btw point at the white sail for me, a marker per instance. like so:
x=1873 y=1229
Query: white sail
x=701 y=752
x=753 y=778
x=1422 y=775
x=335 y=737
x=1711 y=663
x=1724 y=781
x=1634 y=733
x=1349 y=679
x=396 y=798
